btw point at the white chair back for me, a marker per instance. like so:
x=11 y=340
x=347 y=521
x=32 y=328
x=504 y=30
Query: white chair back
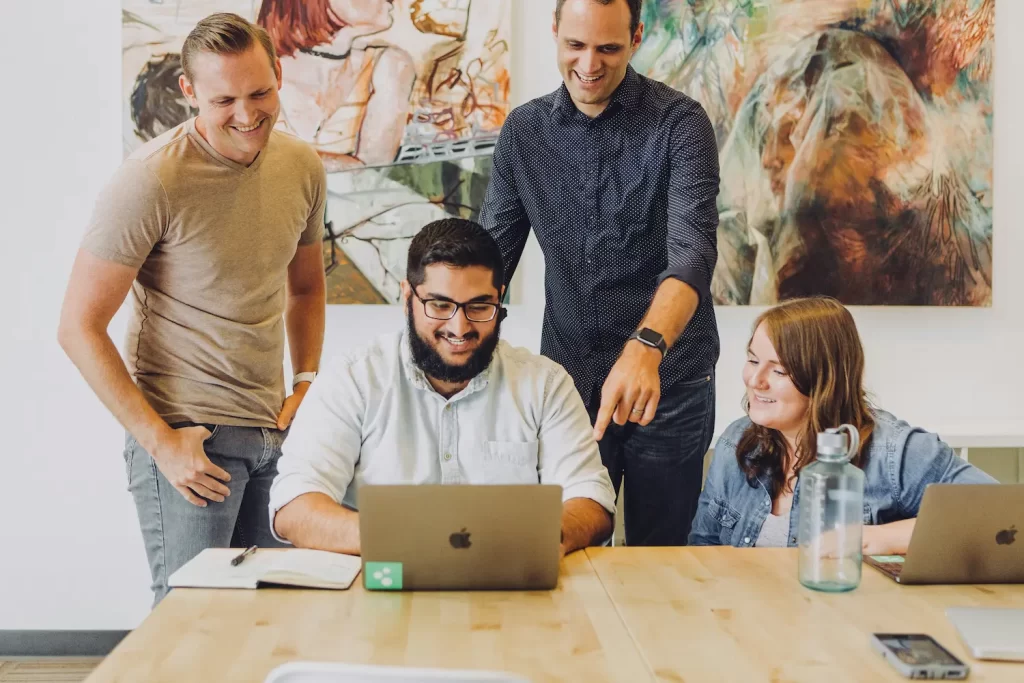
x=336 y=672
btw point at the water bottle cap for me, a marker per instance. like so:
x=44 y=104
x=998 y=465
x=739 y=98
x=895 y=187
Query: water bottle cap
x=833 y=444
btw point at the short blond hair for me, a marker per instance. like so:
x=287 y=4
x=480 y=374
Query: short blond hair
x=224 y=33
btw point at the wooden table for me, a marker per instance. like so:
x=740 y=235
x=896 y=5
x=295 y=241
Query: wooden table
x=571 y=633
x=618 y=614
x=731 y=614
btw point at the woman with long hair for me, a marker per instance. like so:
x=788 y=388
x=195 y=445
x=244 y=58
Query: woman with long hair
x=804 y=374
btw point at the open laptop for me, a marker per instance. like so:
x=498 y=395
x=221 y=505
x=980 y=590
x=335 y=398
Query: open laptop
x=965 y=533
x=460 y=537
x=990 y=632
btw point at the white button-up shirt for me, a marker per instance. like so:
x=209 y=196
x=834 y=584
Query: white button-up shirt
x=372 y=418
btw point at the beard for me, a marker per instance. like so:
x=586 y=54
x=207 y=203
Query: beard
x=427 y=359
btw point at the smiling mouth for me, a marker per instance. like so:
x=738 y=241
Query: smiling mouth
x=587 y=80
x=762 y=399
x=249 y=129
x=457 y=343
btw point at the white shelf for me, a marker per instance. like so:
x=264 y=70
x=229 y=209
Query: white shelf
x=994 y=434
x=986 y=434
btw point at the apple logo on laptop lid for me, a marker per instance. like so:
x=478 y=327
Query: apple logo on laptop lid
x=460 y=539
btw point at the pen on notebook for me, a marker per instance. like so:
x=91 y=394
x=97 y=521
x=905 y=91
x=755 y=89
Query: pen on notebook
x=238 y=559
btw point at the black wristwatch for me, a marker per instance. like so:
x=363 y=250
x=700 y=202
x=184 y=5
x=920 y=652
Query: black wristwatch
x=646 y=335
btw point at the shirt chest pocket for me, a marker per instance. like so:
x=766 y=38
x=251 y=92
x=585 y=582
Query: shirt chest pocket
x=726 y=518
x=510 y=462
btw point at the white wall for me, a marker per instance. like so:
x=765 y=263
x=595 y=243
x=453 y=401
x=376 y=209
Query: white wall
x=70 y=552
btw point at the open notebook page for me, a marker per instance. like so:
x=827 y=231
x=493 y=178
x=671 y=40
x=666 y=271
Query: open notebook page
x=293 y=566
x=313 y=568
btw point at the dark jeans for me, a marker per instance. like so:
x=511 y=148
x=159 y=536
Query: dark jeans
x=663 y=463
x=174 y=530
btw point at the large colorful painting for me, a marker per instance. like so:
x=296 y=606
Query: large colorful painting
x=855 y=141
x=403 y=100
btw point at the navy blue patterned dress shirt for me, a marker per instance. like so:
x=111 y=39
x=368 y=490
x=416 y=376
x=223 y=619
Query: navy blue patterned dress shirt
x=618 y=202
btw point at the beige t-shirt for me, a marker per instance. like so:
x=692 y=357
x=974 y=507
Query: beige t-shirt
x=212 y=240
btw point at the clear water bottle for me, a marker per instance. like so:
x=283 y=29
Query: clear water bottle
x=831 y=514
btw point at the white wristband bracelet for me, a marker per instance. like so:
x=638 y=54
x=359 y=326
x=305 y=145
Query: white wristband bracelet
x=303 y=377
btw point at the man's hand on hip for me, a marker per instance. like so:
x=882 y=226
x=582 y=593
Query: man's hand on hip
x=632 y=390
x=183 y=461
x=291 y=405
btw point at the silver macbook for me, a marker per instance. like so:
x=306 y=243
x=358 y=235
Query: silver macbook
x=965 y=533
x=460 y=537
x=990 y=632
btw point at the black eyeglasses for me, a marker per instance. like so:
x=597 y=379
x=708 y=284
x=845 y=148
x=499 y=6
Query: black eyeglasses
x=441 y=309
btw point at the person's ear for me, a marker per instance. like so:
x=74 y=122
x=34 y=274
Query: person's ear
x=554 y=26
x=188 y=90
x=278 y=73
x=638 y=36
x=406 y=292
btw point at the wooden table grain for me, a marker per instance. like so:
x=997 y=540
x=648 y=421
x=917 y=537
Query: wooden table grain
x=570 y=633
x=730 y=614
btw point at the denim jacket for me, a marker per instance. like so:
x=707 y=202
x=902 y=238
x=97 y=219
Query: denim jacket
x=901 y=461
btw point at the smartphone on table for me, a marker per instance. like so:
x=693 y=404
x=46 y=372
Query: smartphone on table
x=917 y=655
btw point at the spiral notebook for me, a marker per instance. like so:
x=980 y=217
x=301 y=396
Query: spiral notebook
x=300 y=567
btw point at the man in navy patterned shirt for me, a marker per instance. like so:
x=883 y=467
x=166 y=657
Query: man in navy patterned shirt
x=618 y=177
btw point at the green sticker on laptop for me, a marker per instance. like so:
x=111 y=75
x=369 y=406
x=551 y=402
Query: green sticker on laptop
x=382 y=576
x=887 y=558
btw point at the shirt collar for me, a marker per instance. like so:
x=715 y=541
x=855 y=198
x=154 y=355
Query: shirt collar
x=419 y=379
x=562 y=102
x=628 y=92
x=626 y=96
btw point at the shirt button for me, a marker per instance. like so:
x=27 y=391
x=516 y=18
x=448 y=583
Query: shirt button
x=448 y=407
x=447 y=456
x=747 y=539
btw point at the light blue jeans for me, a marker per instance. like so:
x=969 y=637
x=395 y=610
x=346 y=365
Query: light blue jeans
x=174 y=530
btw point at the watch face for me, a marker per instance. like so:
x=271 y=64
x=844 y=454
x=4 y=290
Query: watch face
x=649 y=336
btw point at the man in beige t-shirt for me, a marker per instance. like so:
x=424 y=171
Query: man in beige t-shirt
x=215 y=228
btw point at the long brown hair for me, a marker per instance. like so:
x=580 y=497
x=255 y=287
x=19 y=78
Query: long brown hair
x=818 y=345
x=296 y=25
